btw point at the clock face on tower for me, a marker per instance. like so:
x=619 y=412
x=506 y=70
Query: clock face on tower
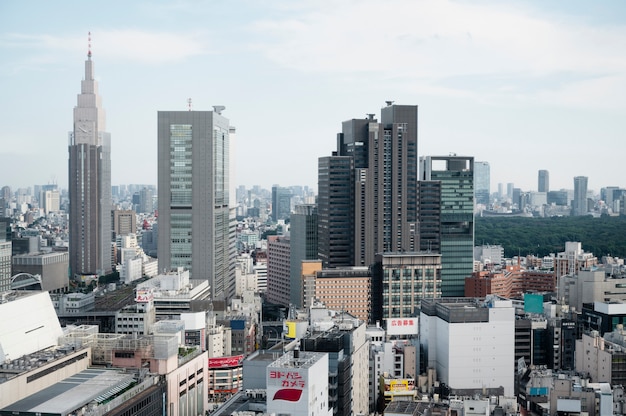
x=84 y=127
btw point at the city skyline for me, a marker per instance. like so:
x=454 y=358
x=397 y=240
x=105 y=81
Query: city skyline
x=549 y=99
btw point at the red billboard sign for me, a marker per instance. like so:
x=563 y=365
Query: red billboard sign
x=223 y=362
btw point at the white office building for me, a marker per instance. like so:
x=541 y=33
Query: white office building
x=470 y=343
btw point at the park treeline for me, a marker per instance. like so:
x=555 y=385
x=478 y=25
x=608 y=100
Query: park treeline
x=541 y=236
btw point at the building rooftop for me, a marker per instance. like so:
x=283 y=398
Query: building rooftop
x=304 y=359
x=28 y=362
x=91 y=385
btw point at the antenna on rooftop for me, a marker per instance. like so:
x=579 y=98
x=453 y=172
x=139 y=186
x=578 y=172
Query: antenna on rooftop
x=89 y=44
x=189 y=103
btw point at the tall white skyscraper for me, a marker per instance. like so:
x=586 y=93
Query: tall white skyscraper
x=196 y=225
x=89 y=183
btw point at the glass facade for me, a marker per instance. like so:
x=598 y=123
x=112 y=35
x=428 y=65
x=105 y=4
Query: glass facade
x=181 y=239
x=454 y=176
x=180 y=164
x=482 y=179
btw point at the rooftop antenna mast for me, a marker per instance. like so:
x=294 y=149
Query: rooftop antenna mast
x=89 y=45
x=189 y=103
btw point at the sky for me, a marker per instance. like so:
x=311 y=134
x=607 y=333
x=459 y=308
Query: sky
x=524 y=85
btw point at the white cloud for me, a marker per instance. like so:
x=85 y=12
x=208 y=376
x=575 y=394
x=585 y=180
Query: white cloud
x=150 y=47
x=427 y=41
x=128 y=45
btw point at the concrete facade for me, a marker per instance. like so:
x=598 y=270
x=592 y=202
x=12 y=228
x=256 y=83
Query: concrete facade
x=90 y=183
x=470 y=343
x=193 y=197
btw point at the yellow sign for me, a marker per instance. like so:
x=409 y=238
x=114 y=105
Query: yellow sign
x=291 y=329
x=400 y=385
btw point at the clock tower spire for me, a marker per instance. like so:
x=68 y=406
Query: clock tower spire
x=89 y=183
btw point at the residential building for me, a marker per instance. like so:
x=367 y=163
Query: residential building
x=196 y=228
x=454 y=176
x=573 y=259
x=89 y=183
x=509 y=282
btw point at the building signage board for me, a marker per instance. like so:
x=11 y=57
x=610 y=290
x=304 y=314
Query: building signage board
x=402 y=326
x=224 y=362
x=144 y=296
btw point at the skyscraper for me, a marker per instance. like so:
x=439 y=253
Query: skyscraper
x=5 y=254
x=89 y=183
x=195 y=229
x=579 y=204
x=303 y=246
x=367 y=197
x=145 y=201
x=482 y=182
x=392 y=174
x=335 y=207
x=543 y=181
x=281 y=203
x=453 y=178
